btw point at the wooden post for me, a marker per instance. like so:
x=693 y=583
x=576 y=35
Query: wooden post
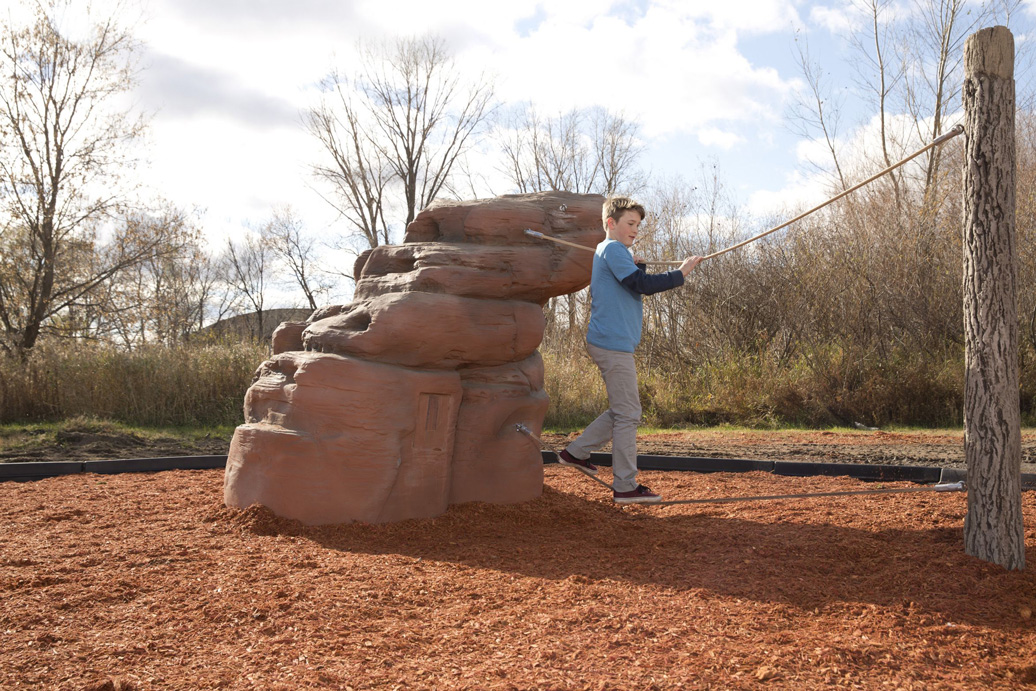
x=993 y=527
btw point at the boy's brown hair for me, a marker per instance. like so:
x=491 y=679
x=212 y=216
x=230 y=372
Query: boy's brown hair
x=614 y=207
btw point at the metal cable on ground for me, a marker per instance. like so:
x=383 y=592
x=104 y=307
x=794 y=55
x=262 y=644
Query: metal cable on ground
x=525 y=430
x=951 y=487
x=945 y=487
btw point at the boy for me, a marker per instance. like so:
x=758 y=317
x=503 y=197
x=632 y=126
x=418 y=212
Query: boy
x=617 y=283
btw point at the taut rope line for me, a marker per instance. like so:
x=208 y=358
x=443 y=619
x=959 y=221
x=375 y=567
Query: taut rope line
x=959 y=129
x=938 y=141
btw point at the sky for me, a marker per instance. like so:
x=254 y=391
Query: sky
x=227 y=81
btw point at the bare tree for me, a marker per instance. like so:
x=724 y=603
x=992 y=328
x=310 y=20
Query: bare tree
x=616 y=147
x=211 y=298
x=425 y=114
x=358 y=172
x=880 y=71
x=907 y=62
x=404 y=118
x=584 y=150
x=62 y=137
x=936 y=37
x=815 y=111
x=169 y=295
x=248 y=264
x=587 y=150
x=545 y=154
x=286 y=237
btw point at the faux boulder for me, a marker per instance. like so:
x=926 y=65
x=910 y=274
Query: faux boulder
x=332 y=439
x=406 y=400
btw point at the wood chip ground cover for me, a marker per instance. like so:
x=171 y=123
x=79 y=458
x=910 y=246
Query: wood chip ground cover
x=145 y=581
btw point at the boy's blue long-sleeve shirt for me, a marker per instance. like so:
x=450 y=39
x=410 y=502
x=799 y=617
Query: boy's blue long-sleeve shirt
x=616 y=288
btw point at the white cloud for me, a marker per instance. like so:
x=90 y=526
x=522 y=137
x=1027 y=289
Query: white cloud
x=258 y=17
x=750 y=16
x=178 y=89
x=860 y=156
x=675 y=67
x=460 y=20
x=813 y=152
x=835 y=20
x=798 y=191
x=715 y=137
x=228 y=79
x=235 y=174
x=234 y=71
x=861 y=148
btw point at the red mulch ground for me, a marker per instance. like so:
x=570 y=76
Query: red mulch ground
x=147 y=582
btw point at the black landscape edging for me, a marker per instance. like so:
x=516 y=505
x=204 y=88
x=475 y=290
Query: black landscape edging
x=152 y=465
x=38 y=471
x=858 y=471
x=886 y=473
x=698 y=465
x=908 y=473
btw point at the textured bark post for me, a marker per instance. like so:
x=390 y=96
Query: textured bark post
x=993 y=527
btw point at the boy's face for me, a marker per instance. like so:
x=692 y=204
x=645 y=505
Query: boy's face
x=626 y=228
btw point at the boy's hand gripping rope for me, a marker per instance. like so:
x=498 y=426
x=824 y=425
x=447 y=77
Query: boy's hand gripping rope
x=946 y=487
x=959 y=129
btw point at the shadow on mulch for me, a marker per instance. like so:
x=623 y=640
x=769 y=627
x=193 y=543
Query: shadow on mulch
x=778 y=553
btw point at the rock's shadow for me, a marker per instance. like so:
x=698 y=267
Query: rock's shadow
x=808 y=565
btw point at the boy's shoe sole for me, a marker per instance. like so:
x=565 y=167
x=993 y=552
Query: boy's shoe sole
x=637 y=500
x=640 y=495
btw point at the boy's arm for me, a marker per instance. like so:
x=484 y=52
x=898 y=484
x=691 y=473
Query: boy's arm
x=648 y=284
x=635 y=277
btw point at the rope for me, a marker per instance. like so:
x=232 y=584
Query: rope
x=937 y=142
x=959 y=129
x=541 y=236
x=595 y=478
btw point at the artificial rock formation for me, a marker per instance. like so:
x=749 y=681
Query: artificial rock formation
x=406 y=400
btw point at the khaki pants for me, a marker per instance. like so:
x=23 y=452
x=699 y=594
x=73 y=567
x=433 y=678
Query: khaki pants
x=619 y=423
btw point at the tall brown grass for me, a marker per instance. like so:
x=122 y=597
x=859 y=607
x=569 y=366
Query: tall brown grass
x=153 y=385
x=830 y=388
x=197 y=384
